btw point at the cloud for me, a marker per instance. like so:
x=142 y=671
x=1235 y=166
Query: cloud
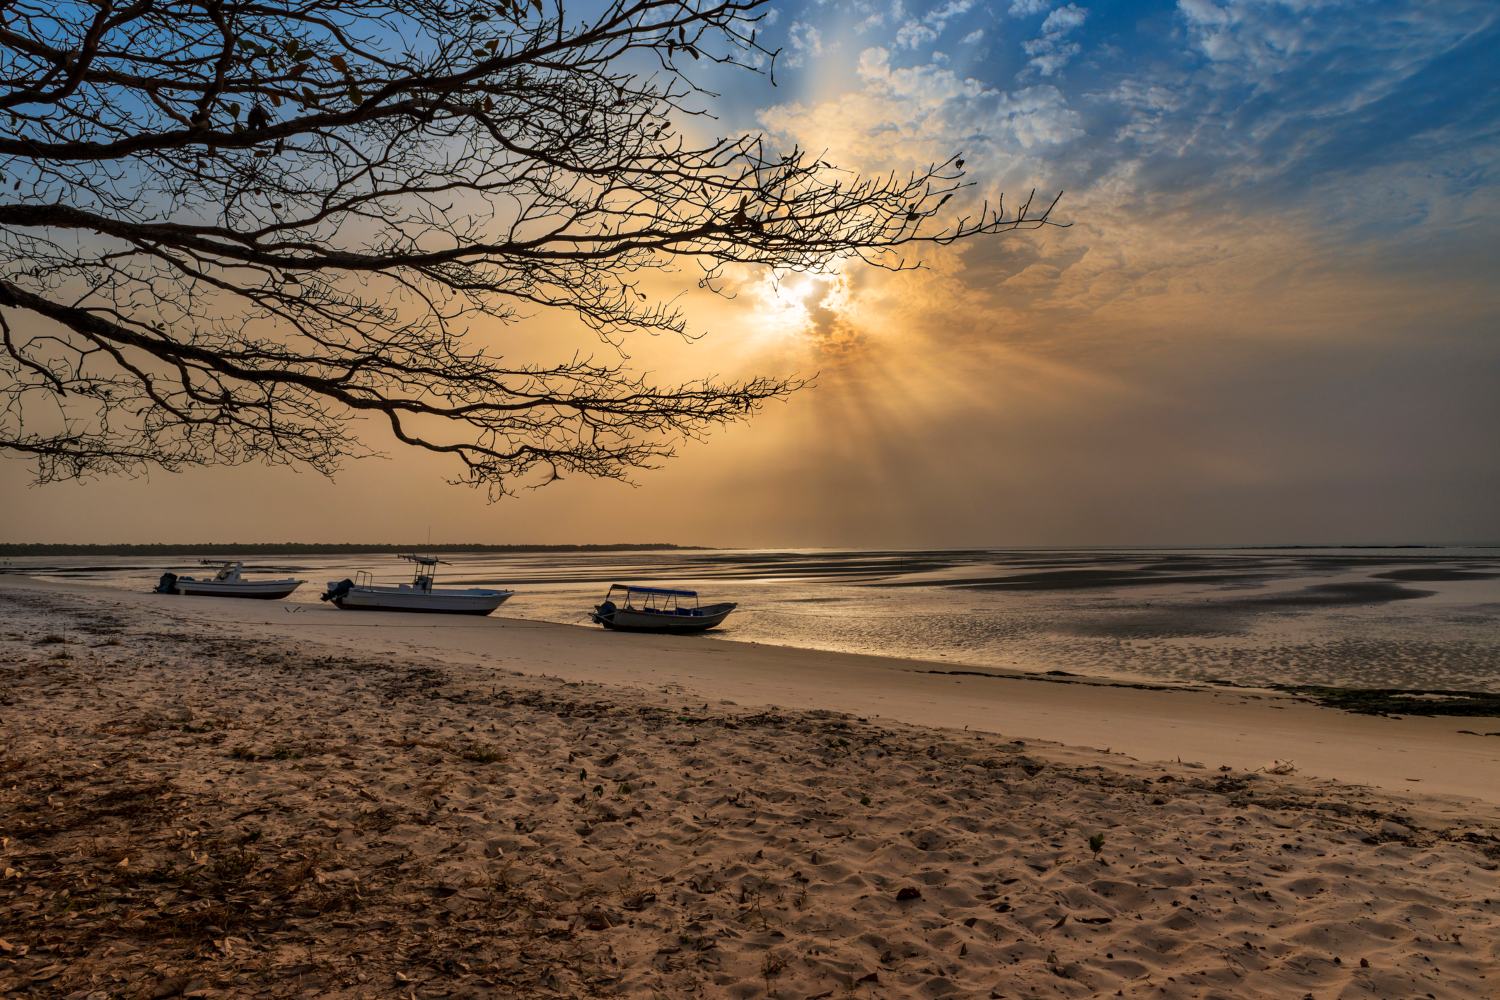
x=1272 y=98
x=1064 y=19
x=923 y=86
x=804 y=42
x=1051 y=50
x=1028 y=8
x=1264 y=37
x=1037 y=117
x=1049 y=56
x=916 y=32
x=948 y=11
x=1201 y=12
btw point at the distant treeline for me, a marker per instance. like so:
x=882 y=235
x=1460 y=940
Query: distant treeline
x=301 y=548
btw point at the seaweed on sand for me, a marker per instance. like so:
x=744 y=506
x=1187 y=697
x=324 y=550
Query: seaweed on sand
x=1399 y=701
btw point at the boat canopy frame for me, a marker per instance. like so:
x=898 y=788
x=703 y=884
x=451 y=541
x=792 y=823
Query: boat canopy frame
x=227 y=569
x=425 y=570
x=656 y=598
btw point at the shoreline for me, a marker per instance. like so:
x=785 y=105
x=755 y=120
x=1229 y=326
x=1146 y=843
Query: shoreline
x=1241 y=727
x=1317 y=619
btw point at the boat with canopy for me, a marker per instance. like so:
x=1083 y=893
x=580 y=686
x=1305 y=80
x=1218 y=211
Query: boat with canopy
x=628 y=608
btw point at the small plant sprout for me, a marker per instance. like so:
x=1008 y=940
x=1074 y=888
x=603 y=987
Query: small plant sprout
x=1096 y=843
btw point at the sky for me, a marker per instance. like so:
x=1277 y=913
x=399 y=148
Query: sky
x=1274 y=318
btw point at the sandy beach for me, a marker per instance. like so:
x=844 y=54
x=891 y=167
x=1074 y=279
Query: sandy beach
x=202 y=798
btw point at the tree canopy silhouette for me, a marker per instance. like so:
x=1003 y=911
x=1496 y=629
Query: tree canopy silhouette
x=229 y=226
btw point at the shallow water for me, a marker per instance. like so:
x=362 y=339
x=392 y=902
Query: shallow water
x=1403 y=617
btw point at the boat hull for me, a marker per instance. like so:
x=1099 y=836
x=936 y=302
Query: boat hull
x=421 y=602
x=269 y=590
x=630 y=620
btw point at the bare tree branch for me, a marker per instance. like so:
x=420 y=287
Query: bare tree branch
x=229 y=226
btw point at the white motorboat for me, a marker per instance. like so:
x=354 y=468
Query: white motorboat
x=657 y=609
x=362 y=593
x=227 y=582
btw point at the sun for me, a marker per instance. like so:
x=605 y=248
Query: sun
x=786 y=305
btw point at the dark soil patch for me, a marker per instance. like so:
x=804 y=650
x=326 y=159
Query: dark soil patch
x=1398 y=701
x=1435 y=574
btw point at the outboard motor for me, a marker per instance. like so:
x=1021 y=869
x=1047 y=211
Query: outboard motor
x=338 y=590
x=603 y=611
x=167 y=584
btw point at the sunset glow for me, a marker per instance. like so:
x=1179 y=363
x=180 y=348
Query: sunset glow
x=1275 y=298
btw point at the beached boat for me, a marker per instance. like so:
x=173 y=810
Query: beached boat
x=657 y=609
x=362 y=594
x=227 y=582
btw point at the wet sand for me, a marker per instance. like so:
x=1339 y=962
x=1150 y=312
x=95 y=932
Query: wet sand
x=196 y=802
